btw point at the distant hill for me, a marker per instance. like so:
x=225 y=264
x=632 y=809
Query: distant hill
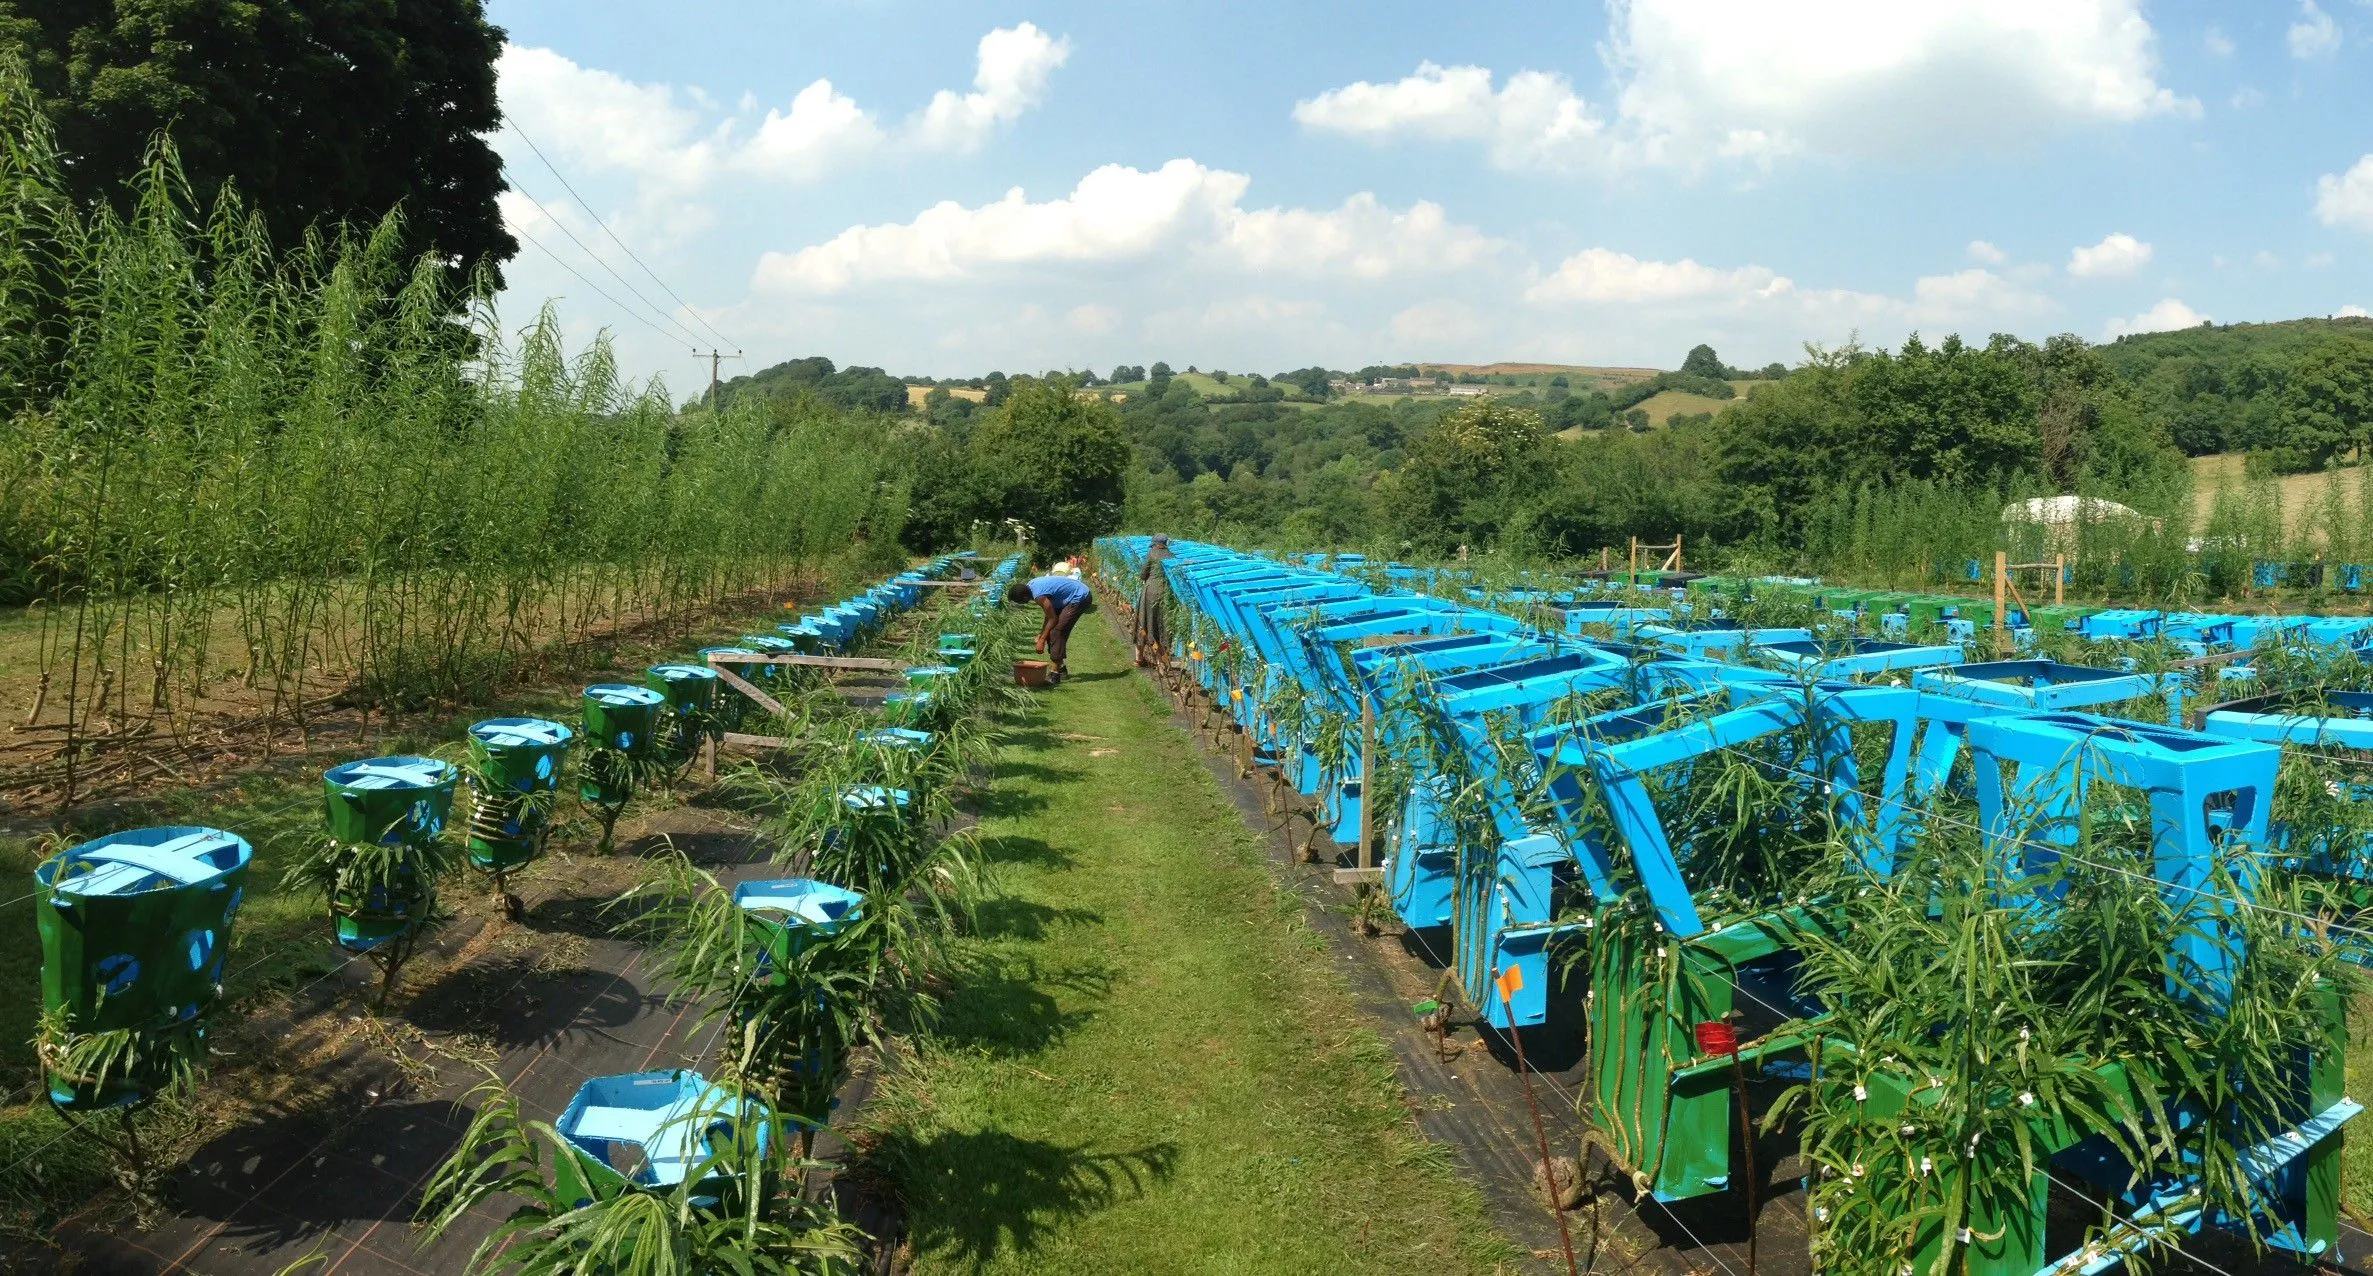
x=1535 y=372
x=864 y=389
x=2226 y=344
x=2219 y=388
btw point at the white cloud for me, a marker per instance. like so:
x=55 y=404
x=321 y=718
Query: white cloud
x=1536 y=121
x=2117 y=255
x=599 y=122
x=2217 y=43
x=1094 y=318
x=2265 y=260
x=1981 y=251
x=2314 y=35
x=1439 y=324
x=1751 y=80
x=2246 y=98
x=2346 y=200
x=666 y=137
x=2169 y=315
x=2317 y=261
x=1601 y=276
x=1363 y=238
x=1967 y=295
x=2352 y=312
x=1014 y=66
x=1118 y=214
x=822 y=128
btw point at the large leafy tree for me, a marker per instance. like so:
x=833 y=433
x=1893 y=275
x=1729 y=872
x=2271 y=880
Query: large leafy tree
x=2327 y=405
x=1054 y=459
x=1466 y=476
x=317 y=111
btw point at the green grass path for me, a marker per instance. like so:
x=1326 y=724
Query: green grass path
x=1153 y=1068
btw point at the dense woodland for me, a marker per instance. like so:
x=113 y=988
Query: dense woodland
x=1543 y=466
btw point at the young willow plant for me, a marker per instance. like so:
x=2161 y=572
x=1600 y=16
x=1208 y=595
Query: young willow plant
x=739 y=1210
x=795 y=1003
x=383 y=893
x=1987 y=1007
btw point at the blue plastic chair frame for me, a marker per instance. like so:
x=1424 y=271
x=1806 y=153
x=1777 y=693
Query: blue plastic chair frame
x=2048 y=685
x=2058 y=757
x=1858 y=657
x=1422 y=866
x=1619 y=769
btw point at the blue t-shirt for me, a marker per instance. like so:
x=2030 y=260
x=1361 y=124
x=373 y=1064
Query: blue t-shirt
x=1062 y=591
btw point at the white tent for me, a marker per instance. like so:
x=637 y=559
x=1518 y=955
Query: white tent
x=2062 y=511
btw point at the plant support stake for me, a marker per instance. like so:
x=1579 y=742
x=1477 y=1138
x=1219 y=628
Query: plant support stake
x=1511 y=979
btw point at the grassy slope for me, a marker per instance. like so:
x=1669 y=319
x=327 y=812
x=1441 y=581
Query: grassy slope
x=2300 y=492
x=1154 y=1068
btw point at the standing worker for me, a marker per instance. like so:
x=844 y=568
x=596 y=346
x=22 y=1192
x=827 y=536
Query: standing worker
x=1063 y=598
x=1153 y=595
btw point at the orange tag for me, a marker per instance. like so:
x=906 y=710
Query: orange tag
x=1510 y=982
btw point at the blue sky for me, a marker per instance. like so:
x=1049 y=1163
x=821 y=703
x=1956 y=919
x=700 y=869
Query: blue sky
x=949 y=188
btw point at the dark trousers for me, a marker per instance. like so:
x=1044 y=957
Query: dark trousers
x=1058 y=640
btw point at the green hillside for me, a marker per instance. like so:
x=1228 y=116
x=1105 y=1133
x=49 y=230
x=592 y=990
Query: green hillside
x=2223 y=388
x=2136 y=356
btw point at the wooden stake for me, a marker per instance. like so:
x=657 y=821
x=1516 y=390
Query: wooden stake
x=1367 y=857
x=732 y=679
x=2001 y=612
x=2059 y=579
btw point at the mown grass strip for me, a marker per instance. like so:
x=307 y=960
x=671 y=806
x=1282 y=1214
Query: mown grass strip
x=1150 y=1065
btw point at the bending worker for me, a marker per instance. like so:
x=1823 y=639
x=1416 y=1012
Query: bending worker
x=1063 y=598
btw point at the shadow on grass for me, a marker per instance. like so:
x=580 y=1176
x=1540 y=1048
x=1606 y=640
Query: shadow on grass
x=1009 y=1008
x=1035 y=852
x=1031 y=739
x=1005 y=917
x=973 y=1196
x=1009 y=804
x=1010 y=771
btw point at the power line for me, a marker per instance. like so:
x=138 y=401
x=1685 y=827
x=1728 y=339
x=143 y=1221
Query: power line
x=630 y=311
x=687 y=333
x=605 y=228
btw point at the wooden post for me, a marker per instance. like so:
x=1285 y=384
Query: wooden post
x=2001 y=609
x=1367 y=857
x=1602 y=558
x=1635 y=559
x=2059 y=579
x=1675 y=564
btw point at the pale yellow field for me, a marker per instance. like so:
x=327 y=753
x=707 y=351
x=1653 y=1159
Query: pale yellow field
x=915 y=394
x=2299 y=491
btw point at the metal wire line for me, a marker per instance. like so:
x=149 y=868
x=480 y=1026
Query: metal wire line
x=605 y=227
x=2106 y=1211
x=630 y=311
x=682 y=333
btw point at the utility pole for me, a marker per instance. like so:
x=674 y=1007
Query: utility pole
x=716 y=357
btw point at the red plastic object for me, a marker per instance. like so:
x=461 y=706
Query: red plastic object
x=1717 y=1037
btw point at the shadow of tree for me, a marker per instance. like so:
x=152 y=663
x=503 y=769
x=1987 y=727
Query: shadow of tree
x=275 y=1181
x=511 y=1003
x=1005 y=917
x=1009 y=771
x=1009 y=1007
x=1035 y=852
x=971 y=1196
x=1006 y=804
